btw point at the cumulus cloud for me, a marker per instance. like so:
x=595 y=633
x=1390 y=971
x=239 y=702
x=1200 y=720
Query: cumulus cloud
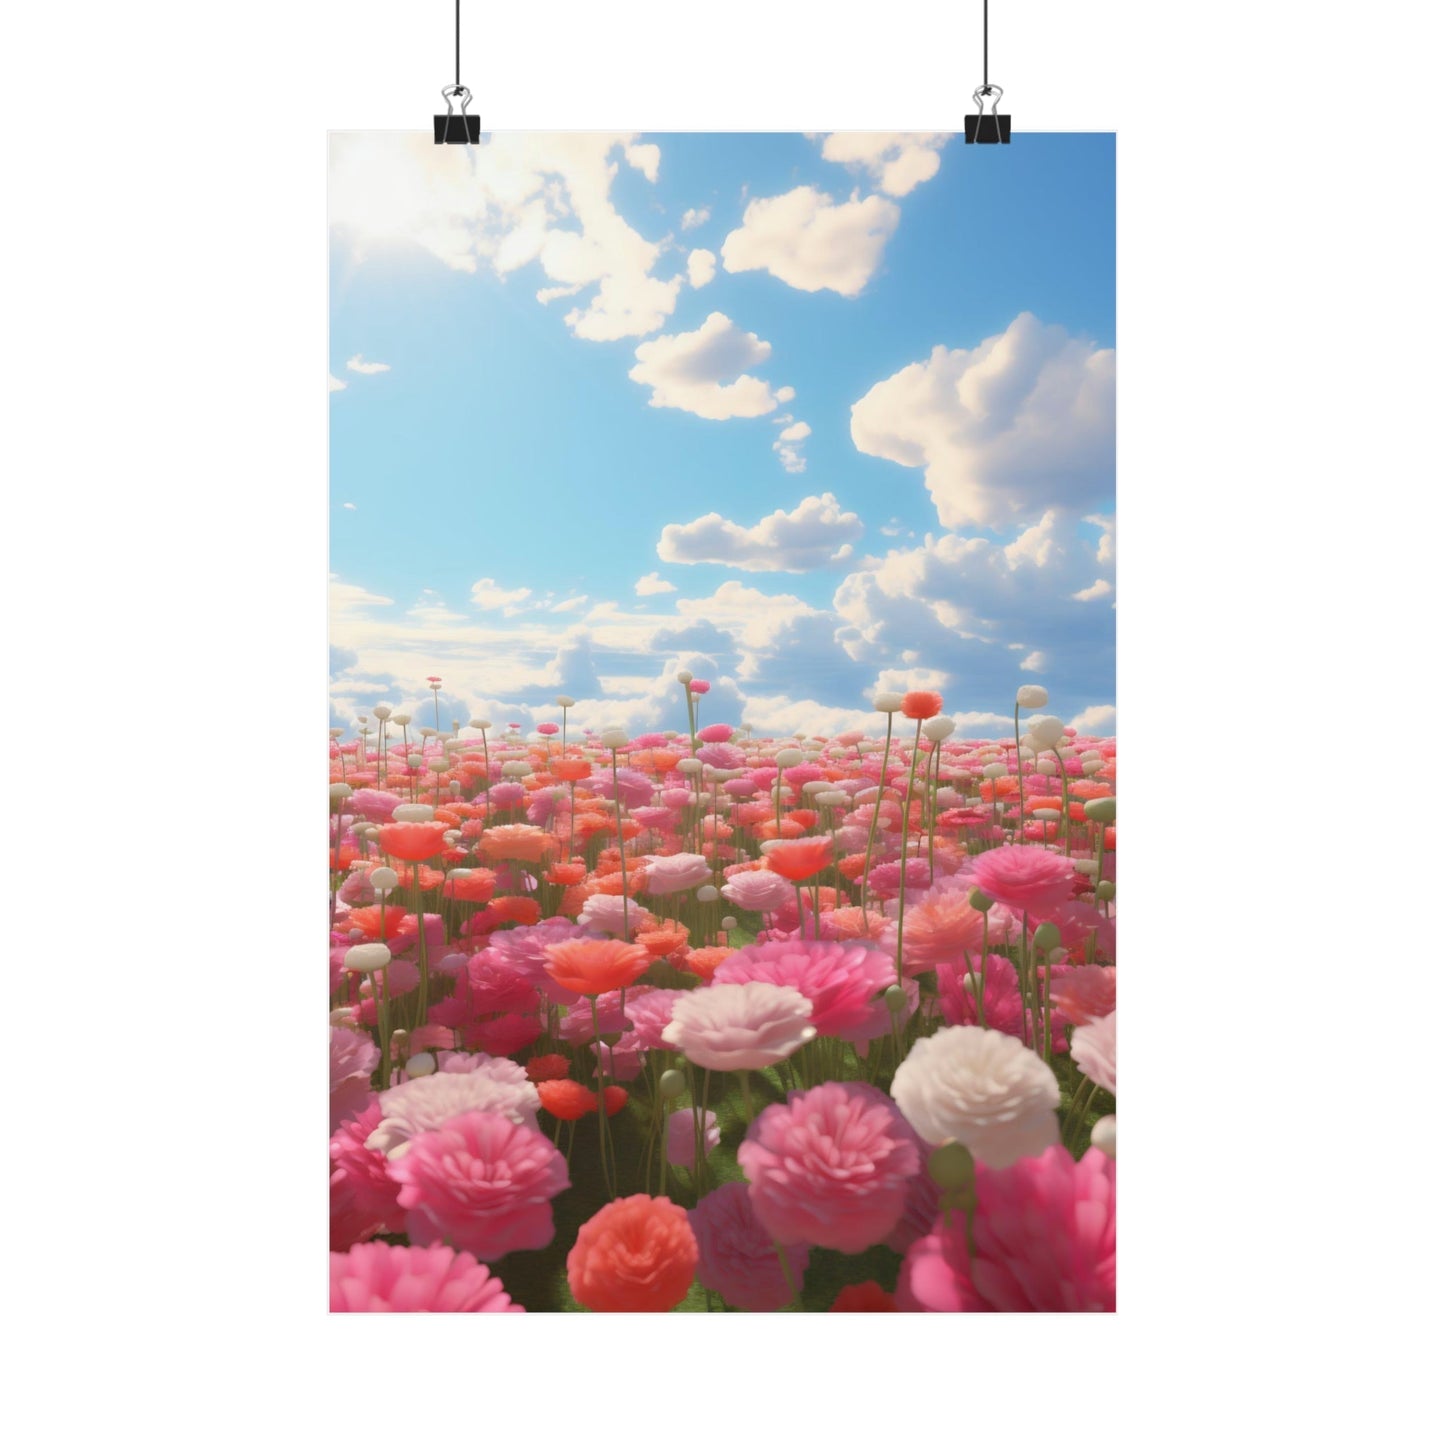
x=812 y=535
x=519 y=198
x=432 y=607
x=488 y=596
x=694 y=217
x=366 y=368
x=652 y=585
x=1096 y=721
x=333 y=385
x=1034 y=662
x=701 y=268
x=1098 y=588
x=1023 y=421
x=810 y=242
x=703 y=371
x=896 y=161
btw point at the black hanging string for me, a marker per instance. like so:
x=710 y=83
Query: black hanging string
x=453 y=129
x=459 y=41
x=985 y=45
x=991 y=129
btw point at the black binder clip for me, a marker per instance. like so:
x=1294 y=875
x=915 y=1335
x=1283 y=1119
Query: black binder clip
x=987 y=130
x=457 y=130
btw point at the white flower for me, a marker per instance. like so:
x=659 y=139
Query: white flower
x=1047 y=731
x=401 y=719
x=564 y=701
x=497 y=1086
x=383 y=879
x=516 y=770
x=381 y=710
x=983 y=1088
x=340 y=792
x=740 y=1025
x=935 y=729
x=480 y=723
x=1032 y=695
x=367 y=957
x=614 y=738
x=1104 y=1134
x=1093 y=1049
x=789 y=757
x=413 y=813
x=684 y=677
x=888 y=702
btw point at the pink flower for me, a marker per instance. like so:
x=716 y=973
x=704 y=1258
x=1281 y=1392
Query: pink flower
x=682 y=1140
x=353 y=1060
x=649 y=1013
x=1028 y=880
x=736 y=1255
x=403 y=1279
x=677 y=872
x=757 y=891
x=739 y=1025
x=1093 y=1049
x=633 y=788
x=363 y=1194
x=481 y=1183
x=699 y=686
x=410 y=1109
x=830 y=1167
x=1043 y=1236
x=373 y=805
x=1084 y=993
x=840 y=979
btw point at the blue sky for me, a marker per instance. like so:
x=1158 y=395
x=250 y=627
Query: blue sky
x=902 y=344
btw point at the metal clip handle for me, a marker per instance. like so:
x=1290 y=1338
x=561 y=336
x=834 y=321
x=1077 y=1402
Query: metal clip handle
x=462 y=94
x=995 y=90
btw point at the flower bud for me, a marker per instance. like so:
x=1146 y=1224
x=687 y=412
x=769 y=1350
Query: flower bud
x=1105 y=890
x=707 y=894
x=789 y=757
x=1047 y=815
x=1047 y=937
x=1100 y=810
x=480 y=723
x=383 y=879
x=340 y=792
x=950 y=1166
x=672 y=1084
x=728 y=923
x=420 y=1065
x=401 y=719
x=414 y=760
x=1102 y=1136
x=684 y=677
x=438 y=765
x=1048 y=730
x=381 y=710
x=516 y=770
x=1047 y=766
x=1093 y=766
x=895 y=998
x=367 y=957
x=979 y=901
x=1032 y=695
x=995 y=770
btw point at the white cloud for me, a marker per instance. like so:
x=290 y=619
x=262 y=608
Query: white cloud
x=549 y=294
x=690 y=371
x=701 y=268
x=812 y=535
x=333 y=385
x=572 y=604
x=488 y=596
x=897 y=161
x=519 y=198
x=652 y=585
x=432 y=607
x=644 y=158
x=1034 y=662
x=795 y=432
x=1099 y=588
x=1094 y=720
x=694 y=217
x=811 y=243
x=349 y=506
x=1023 y=421
x=366 y=368
x=896 y=679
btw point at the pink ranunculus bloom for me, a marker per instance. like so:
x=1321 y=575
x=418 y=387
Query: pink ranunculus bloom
x=1043 y=1241
x=698 y=686
x=632 y=788
x=830 y=1167
x=1084 y=993
x=840 y=979
x=1077 y=922
x=715 y=733
x=406 y=1279
x=481 y=1183
x=681 y=1138
x=739 y=1025
x=883 y=880
x=505 y=1034
x=1093 y=1048
x=373 y=805
x=411 y=1109
x=736 y=1255
x=759 y=891
x=576 y=1025
x=649 y=1013
x=363 y=1194
x=677 y=872
x=353 y=1061
x=1029 y=880
x=621 y=1062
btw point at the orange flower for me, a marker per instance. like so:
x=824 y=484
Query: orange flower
x=922 y=705
x=518 y=842
x=636 y=1255
x=566 y=874
x=851 y=867
x=704 y=962
x=566 y=1098
x=427 y=877
x=659 y=942
x=803 y=817
x=517 y=910
x=571 y=770
x=368 y=920
x=476 y=887
x=595 y=965
x=801 y=858
x=413 y=842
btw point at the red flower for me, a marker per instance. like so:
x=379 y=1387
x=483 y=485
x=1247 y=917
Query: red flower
x=867 y=1298
x=800 y=858
x=566 y=1098
x=922 y=705
x=547 y=1067
x=414 y=842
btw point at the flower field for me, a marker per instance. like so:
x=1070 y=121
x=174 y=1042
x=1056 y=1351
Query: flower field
x=700 y=1021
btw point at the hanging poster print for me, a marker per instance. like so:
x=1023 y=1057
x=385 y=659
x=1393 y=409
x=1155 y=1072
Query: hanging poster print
x=721 y=847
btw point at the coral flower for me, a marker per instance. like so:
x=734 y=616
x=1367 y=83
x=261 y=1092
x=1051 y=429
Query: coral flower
x=659 y=942
x=596 y=965
x=919 y=706
x=481 y=1183
x=571 y=770
x=405 y=1279
x=474 y=886
x=635 y=1255
x=517 y=842
x=1028 y=880
x=1043 y=1242
x=415 y=842
x=566 y=1098
x=868 y=1298
x=547 y=1066
x=566 y=874
x=704 y=962
x=800 y=858
x=830 y=1167
x=1083 y=994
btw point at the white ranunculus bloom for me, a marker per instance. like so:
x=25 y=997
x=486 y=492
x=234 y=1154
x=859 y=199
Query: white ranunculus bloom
x=684 y=677
x=614 y=738
x=401 y=719
x=383 y=879
x=340 y=791
x=367 y=957
x=1048 y=731
x=983 y=1088
x=935 y=729
x=381 y=710
x=480 y=723
x=1032 y=695
x=413 y=813
x=1093 y=1049
x=1104 y=1135
x=565 y=701
x=888 y=702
